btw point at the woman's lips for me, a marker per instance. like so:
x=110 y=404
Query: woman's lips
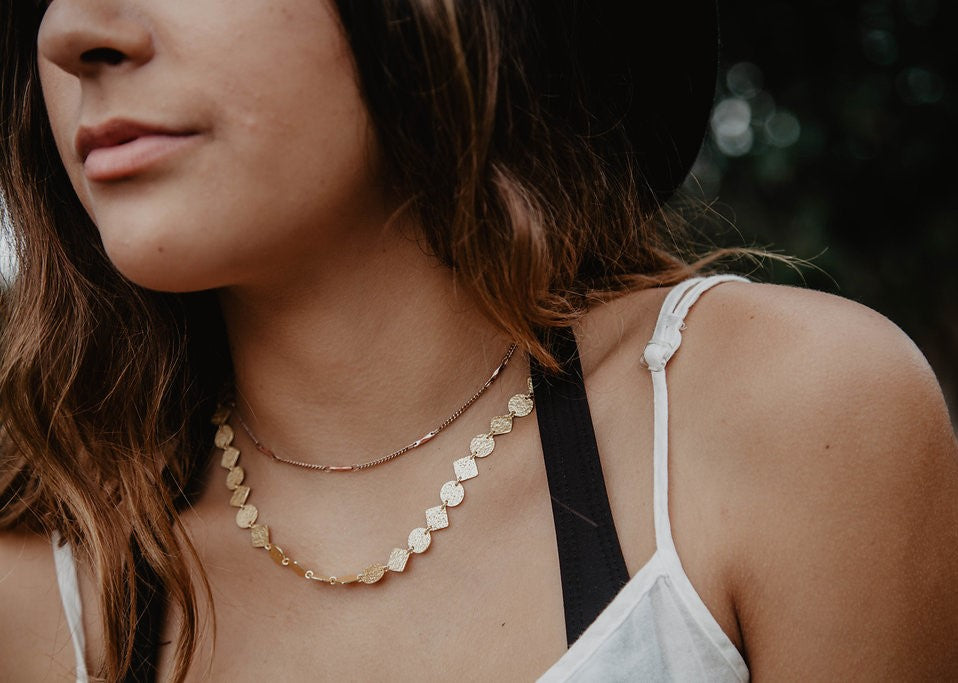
x=122 y=149
x=130 y=158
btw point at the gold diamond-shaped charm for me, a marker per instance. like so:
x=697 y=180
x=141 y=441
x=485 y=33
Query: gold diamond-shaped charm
x=234 y=478
x=224 y=436
x=482 y=445
x=230 y=456
x=372 y=573
x=397 y=559
x=419 y=540
x=465 y=468
x=259 y=534
x=240 y=494
x=501 y=424
x=246 y=516
x=521 y=405
x=452 y=493
x=436 y=518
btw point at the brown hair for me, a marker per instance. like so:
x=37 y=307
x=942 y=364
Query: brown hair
x=106 y=388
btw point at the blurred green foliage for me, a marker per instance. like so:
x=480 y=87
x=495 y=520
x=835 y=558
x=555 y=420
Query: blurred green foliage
x=834 y=138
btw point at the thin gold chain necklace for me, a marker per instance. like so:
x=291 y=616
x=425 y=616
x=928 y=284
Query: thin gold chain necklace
x=451 y=494
x=428 y=436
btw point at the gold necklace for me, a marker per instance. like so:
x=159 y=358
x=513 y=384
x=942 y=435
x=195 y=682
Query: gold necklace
x=428 y=436
x=451 y=494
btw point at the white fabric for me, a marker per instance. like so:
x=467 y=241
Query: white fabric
x=70 y=597
x=657 y=628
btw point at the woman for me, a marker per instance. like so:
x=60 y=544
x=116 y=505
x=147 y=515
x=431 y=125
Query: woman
x=346 y=216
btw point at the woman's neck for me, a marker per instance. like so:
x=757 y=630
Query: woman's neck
x=365 y=353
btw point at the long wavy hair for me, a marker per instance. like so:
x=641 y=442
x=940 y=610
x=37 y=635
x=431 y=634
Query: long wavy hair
x=106 y=388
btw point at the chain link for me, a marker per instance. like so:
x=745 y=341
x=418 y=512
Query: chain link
x=425 y=438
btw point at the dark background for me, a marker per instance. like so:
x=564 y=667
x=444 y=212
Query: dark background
x=834 y=139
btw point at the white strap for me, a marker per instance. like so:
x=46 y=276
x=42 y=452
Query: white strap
x=664 y=343
x=70 y=597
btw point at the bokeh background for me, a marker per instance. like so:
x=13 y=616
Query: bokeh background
x=834 y=139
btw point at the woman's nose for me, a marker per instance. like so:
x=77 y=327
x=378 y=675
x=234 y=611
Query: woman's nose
x=86 y=37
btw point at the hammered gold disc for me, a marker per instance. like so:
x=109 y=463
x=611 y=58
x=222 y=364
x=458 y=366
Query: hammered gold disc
x=465 y=468
x=521 y=405
x=246 y=516
x=240 y=494
x=482 y=445
x=419 y=540
x=501 y=424
x=221 y=415
x=397 y=559
x=372 y=573
x=224 y=436
x=230 y=456
x=452 y=493
x=234 y=478
x=437 y=518
x=259 y=534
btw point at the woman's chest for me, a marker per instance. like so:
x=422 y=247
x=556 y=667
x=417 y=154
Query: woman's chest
x=473 y=630
x=484 y=600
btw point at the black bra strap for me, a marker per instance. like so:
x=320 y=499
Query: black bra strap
x=590 y=559
x=150 y=609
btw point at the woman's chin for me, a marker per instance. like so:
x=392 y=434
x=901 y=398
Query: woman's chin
x=165 y=271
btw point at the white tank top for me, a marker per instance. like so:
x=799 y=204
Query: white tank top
x=657 y=628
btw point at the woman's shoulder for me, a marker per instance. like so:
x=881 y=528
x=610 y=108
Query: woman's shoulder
x=833 y=361
x=35 y=642
x=774 y=388
x=822 y=381
x=812 y=455
x=800 y=387
x=812 y=372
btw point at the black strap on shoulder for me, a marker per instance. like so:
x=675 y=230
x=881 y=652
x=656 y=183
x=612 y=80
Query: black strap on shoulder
x=590 y=559
x=151 y=596
x=150 y=610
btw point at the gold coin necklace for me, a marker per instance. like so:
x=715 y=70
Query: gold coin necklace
x=451 y=494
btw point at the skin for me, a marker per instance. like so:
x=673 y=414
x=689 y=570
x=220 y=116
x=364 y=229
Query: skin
x=814 y=471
